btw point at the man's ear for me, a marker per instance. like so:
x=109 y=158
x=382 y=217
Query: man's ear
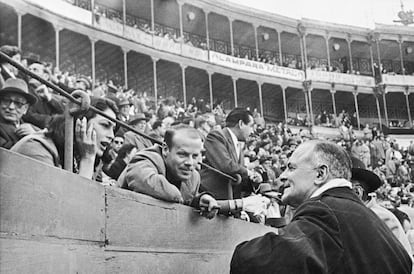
x=322 y=175
x=26 y=109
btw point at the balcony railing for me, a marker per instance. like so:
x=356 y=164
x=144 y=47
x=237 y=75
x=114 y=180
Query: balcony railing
x=164 y=38
x=255 y=67
x=398 y=80
x=340 y=78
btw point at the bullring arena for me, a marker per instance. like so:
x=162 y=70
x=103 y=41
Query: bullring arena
x=202 y=56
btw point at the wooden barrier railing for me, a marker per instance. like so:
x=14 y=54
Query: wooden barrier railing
x=54 y=221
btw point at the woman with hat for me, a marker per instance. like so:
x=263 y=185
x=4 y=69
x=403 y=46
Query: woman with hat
x=14 y=103
x=93 y=133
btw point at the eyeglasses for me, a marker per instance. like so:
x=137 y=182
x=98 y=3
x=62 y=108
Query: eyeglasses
x=6 y=101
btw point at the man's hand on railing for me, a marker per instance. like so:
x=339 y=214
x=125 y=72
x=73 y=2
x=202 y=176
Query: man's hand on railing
x=85 y=101
x=208 y=206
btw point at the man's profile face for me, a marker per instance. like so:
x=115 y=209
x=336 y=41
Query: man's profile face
x=358 y=189
x=299 y=176
x=183 y=155
x=246 y=129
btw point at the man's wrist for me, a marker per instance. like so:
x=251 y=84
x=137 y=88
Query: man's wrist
x=239 y=204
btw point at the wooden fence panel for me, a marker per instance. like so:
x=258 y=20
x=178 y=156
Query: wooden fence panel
x=36 y=199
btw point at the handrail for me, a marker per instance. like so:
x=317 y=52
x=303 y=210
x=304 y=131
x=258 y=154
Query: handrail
x=100 y=112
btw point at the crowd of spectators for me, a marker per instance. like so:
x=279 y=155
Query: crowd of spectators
x=267 y=150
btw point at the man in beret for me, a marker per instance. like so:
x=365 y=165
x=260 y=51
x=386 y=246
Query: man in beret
x=331 y=231
x=15 y=99
x=365 y=183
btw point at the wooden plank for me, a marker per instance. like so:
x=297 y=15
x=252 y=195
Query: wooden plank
x=25 y=256
x=139 y=222
x=36 y=199
x=166 y=263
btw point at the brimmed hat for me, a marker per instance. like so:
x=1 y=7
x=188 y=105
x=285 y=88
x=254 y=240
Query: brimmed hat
x=85 y=80
x=292 y=142
x=112 y=88
x=138 y=117
x=123 y=102
x=264 y=159
x=18 y=86
x=32 y=58
x=368 y=179
x=266 y=190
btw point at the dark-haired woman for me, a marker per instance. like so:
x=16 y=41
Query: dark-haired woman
x=93 y=133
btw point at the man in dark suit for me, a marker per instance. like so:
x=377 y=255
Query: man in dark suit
x=224 y=151
x=331 y=231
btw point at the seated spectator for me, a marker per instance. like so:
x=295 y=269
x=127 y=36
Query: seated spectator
x=93 y=133
x=169 y=173
x=48 y=104
x=125 y=154
x=202 y=125
x=7 y=70
x=84 y=84
x=111 y=152
x=139 y=123
x=14 y=102
x=124 y=107
x=158 y=130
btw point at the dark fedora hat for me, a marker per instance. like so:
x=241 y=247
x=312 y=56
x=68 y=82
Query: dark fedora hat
x=18 y=86
x=368 y=179
x=266 y=190
x=138 y=117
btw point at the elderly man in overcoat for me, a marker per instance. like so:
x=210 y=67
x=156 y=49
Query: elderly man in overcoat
x=332 y=231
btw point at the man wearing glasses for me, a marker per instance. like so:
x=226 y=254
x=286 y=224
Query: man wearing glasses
x=332 y=231
x=14 y=102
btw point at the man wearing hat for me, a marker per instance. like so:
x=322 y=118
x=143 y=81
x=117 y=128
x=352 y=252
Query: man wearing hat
x=124 y=107
x=365 y=183
x=84 y=84
x=14 y=102
x=139 y=123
